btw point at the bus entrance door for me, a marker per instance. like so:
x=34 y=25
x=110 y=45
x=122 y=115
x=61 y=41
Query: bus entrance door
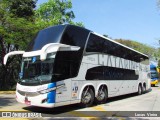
x=63 y=92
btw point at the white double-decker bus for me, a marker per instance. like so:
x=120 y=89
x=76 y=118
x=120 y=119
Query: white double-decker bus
x=66 y=64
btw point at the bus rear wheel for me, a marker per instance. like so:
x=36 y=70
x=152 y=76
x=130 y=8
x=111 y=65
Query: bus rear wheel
x=144 y=89
x=139 y=90
x=87 y=98
x=102 y=95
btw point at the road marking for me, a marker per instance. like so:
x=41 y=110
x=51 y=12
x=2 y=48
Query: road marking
x=7 y=92
x=91 y=116
x=3 y=110
x=82 y=115
x=99 y=108
x=15 y=118
x=120 y=118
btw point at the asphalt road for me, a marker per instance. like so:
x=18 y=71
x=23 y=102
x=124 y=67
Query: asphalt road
x=144 y=106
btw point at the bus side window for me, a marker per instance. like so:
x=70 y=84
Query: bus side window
x=95 y=73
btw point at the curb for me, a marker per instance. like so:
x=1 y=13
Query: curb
x=7 y=92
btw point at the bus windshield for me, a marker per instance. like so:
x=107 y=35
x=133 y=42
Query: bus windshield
x=154 y=75
x=36 y=72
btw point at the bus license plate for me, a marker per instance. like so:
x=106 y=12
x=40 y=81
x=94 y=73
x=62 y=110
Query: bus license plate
x=28 y=102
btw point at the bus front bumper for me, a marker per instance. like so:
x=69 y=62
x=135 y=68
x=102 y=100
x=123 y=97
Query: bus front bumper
x=34 y=101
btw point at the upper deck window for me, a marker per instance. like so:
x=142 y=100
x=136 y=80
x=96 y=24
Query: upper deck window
x=65 y=34
x=102 y=45
x=46 y=36
x=75 y=36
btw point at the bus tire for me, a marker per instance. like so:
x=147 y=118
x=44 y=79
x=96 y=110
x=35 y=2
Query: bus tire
x=87 y=98
x=102 y=96
x=144 y=89
x=139 y=90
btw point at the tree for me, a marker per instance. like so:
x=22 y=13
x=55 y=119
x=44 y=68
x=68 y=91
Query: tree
x=158 y=63
x=18 y=24
x=55 y=12
x=16 y=30
x=22 y=8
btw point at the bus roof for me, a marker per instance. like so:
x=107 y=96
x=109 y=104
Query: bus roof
x=54 y=34
x=63 y=34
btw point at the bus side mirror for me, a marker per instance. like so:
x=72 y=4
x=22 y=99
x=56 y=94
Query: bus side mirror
x=11 y=54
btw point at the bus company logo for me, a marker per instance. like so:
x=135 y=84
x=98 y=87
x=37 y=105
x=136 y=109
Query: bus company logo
x=118 y=62
x=74 y=90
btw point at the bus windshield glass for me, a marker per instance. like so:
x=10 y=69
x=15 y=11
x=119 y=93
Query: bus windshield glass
x=154 y=75
x=36 y=72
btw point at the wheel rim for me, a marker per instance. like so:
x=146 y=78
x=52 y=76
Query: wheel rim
x=86 y=98
x=144 y=89
x=101 y=95
x=140 y=90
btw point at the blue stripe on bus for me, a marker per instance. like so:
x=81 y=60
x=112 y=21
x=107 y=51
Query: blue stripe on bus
x=51 y=95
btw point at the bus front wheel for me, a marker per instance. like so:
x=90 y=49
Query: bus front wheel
x=87 y=97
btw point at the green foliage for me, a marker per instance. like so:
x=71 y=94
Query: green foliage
x=22 y=8
x=16 y=31
x=19 y=21
x=158 y=63
x=55 y=12
x=15 y=28
x=20 y=31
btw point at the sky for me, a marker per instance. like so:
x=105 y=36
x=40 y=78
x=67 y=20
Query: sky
x=137 y=20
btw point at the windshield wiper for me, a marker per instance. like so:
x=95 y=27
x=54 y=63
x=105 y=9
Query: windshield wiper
x=37 y=79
